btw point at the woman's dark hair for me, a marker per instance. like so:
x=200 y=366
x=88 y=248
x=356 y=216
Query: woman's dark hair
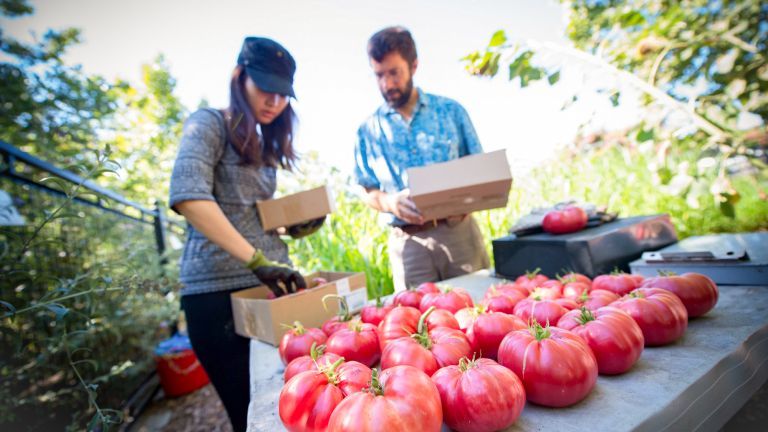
x=392 y=39
x=276 y=146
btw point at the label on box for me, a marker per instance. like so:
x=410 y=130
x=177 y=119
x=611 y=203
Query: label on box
x=342 y=286
x=355 y=299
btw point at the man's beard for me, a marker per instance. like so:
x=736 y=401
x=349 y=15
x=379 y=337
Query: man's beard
x=396 y=98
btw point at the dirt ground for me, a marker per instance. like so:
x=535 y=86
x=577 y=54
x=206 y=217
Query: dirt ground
x=200 y=411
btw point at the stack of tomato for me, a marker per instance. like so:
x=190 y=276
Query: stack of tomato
x=443 y=358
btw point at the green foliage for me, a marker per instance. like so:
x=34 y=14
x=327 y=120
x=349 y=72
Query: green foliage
x=705 y=59
x=351 y=239
x=84 y=296
x=77 y=322
x=58 y=113
x=146 y=137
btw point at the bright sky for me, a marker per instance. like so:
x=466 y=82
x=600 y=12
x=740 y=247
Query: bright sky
x=334 y=83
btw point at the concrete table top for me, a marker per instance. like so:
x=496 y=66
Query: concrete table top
x=697 y=383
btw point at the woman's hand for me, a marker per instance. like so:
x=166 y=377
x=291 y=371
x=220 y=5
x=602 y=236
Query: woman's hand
x=280 y=280
x=305 y=228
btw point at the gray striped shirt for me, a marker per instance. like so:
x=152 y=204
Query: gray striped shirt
x=208 y=168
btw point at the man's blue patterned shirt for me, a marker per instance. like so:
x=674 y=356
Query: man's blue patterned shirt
x=387 y=145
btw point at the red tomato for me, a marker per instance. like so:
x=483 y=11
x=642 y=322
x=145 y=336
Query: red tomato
x=341 y=320
x=309 y=398
x=568 y=220
x=336 y=323
x=479 y=395
x=442 y=318
x=407 y=298
x=597 y=299
x=557 y=367
x=403 y=321
x=440 y=347
x=541 y=311
x=502 y=303
x=574 y=290
x=488 y=329
x=698 y=292
x=317 y=356
x=659 y=313
x=358 y=342
x=298 y=342
x=614 y=337
x=428 y=287
x=621 y=283
x=465 y=317
x=450 y=299
x=575 y=277
x=547 y=293
x=373 y=314
x=569 y=304
x=402 y=398
x=530 y=280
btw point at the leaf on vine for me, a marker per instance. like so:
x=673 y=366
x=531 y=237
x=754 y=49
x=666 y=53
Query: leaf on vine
x=554 y=78
x=57 y=309
x=497 y=39
x=11 y=308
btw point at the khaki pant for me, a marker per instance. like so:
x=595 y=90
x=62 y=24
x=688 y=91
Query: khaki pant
x=434 y=254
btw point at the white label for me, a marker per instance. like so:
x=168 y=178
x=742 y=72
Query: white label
x=342 y=286
x=356 y=299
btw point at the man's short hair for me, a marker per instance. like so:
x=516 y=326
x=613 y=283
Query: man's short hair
x=392 y=39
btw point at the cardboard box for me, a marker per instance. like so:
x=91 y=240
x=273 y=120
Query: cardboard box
x=296 y=208
x=258 y=317
x=464 y=185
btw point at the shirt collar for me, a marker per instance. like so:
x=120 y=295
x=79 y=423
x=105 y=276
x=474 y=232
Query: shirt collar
x=422 y=102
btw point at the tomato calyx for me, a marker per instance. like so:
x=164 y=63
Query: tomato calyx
x=584 y=296
x=532 y=274
x=376 y=388
x=465 y=363
x=356 y=326
x=636 y=294
x=422 y=333
x=585 y=316
x=316 y=351
x=343 y=314
x=330 y=371
x=297 y=328
x=379 y=293
x=666 y=273
x=539 y=332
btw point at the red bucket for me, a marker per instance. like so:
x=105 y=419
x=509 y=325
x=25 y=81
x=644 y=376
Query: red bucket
x=179 y=370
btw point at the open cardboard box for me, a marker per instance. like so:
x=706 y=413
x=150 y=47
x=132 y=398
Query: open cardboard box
x=461 y=186
x=257 y=316
x=296 y=208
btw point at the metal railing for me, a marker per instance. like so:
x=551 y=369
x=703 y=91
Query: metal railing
x=156 y=216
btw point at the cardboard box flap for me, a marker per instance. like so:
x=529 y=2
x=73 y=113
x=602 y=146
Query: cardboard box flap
x=466 y=171
x=296 y=208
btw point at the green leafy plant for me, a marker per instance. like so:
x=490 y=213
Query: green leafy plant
x=702 y=60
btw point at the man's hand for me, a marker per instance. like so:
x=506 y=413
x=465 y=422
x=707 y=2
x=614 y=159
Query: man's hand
x=280 y=280
x=305 y=228
x=401 y=205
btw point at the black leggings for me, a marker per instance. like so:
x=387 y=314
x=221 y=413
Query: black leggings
x=223 y=353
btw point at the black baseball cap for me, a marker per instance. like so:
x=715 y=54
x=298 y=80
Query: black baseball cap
x=268 y=64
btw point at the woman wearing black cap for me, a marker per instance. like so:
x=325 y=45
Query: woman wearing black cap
x=227 y=161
